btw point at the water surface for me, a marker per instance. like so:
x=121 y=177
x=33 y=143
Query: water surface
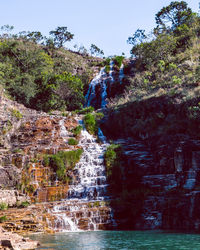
x=135 y=240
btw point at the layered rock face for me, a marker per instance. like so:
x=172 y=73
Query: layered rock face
x=58 y=216
x=22 y=156
x=13 y=241
x=163 y=181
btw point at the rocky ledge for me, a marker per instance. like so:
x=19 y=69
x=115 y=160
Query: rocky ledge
x=14 y=241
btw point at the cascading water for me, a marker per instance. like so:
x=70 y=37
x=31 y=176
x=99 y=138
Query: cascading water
x=111 y=72
x=102 y=80
x=91 y=94
x=121 y=73
x=89 y=186
x=91 y=182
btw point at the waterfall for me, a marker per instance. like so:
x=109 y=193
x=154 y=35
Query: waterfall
x=91 y=95
x=111 y=72
x=88 y=191
x=91 y=184
x=102 y=80
x=63 y=131
x=121 y=73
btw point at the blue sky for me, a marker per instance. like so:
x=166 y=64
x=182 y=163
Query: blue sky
x=106 y=23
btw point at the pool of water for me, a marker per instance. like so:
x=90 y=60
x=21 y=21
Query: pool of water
x=147 y=240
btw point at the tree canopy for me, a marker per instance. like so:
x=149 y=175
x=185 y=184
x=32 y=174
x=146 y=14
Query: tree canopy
x=173 y=15
x=60 y=36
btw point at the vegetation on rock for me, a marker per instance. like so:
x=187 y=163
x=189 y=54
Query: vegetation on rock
x=62 y=161
x=72 y=141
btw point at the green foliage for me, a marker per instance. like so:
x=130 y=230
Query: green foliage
x=151 y=53
x=137 y=38
x=113 y=158
x=62 y=161
x=99 y=116
x=24 y=204
x=60 y=36
x=7 y=127
x=72 y=141
x=86 y=110
x=90 y=123
x=3 y=218
x=70 y=89
x=161 y=65
x=176 y=80
x=15 y=113
x=107 y=68
x=77 y=131
x=95 y=50
x=41 y=76
x=173 y=15
x=3 y=206
x=107 y=65
x=118 y=60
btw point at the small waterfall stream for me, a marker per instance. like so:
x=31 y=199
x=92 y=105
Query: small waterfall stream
x=121 y=73
x=102 y=81
x=99 y=79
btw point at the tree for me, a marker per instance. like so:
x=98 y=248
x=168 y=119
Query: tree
x=70 y=90
x=60 y=36
x=6 y=29
x=95 y=50
x=35 y=36
x=138 y=37
x=173 y=15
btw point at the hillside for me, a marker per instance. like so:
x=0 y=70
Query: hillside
x=44 y=77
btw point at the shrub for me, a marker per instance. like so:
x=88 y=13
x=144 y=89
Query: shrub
x=46 y=160
x=99 y=116
x=24 y=204
x=118 y=60
x=91 y=124
x=76 y=131
x=85 y=110
x=3 y=218
x=72 y=141
x=16 y=114
x=110 y=158
x=63 y=161
x=3 y=206
x=107 y=68
x=113 y=159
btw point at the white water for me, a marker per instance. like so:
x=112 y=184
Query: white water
x=104 y=86
x=111 y=71
x=121 y=74
x=102 y=80
x=63 y=131
x=91 y=182
x=91 y=95
x=63 y=223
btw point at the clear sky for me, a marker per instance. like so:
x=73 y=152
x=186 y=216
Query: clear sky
x=106 y=23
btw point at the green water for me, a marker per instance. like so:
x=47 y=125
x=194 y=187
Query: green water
x=147 y=240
